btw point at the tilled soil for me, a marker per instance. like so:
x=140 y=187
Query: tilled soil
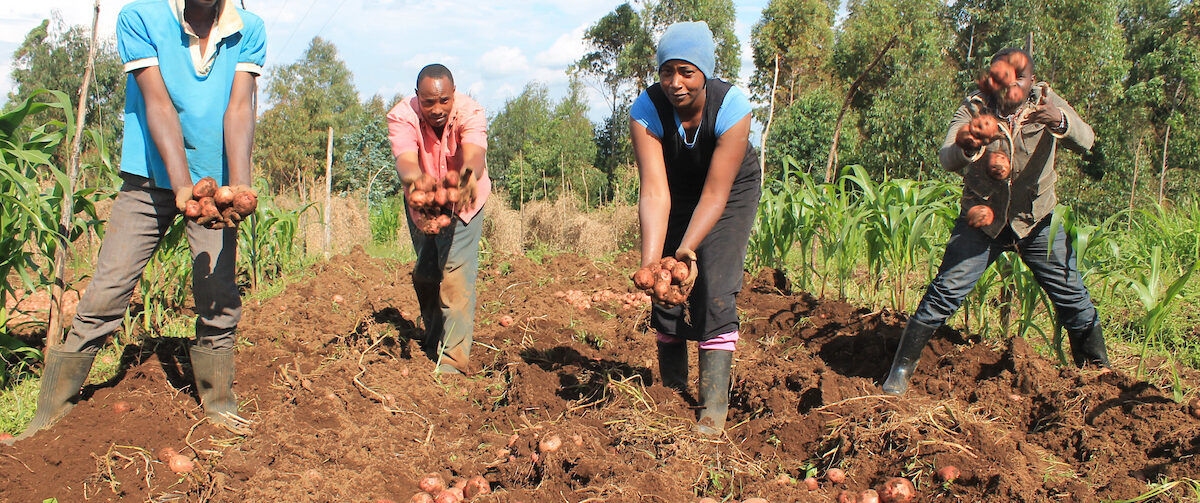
x=346 y=406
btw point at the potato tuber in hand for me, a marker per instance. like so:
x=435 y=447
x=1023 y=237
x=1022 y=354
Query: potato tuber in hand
x=219 y=207
x=979 y=216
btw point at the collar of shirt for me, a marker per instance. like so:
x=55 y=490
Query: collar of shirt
x=227 y=23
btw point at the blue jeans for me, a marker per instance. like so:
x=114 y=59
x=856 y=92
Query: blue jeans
x=970 y=251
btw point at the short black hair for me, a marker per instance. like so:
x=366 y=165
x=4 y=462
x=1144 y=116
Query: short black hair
x=1003 y=54
x=434 y=71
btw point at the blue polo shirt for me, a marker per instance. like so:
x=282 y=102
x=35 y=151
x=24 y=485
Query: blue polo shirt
x=151 y=33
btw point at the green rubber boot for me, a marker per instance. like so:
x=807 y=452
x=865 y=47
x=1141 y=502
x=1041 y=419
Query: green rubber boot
x=213 y=370
x=63 y=375
x=715 y=365
x=916 y=336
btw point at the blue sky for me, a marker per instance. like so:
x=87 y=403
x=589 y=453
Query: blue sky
x=493 y=48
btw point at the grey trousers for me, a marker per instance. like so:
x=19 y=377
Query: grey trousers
x=140 y=217
x=444 y=281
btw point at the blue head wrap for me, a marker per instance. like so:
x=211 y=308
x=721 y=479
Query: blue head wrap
x=691 y=42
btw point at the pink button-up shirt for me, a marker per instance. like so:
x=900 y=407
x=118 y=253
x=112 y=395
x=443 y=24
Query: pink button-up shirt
x=467 y=124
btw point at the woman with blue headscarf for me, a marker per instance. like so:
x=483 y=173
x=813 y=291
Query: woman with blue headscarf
x=700 y=185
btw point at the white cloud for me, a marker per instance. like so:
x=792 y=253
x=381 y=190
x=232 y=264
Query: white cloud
x=503 y=61
x=567 y=49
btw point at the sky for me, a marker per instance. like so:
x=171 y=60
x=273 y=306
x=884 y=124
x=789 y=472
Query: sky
x=494 y=48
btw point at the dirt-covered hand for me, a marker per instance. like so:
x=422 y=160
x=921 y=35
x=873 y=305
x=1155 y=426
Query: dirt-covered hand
x=466 y=190
x=1046 y=113
x=687 y=256
x=182 y=196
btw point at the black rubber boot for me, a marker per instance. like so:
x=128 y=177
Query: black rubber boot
x=1087 y=346
x=63 y=376
x=673 y=365
x=715 y=365
x=213 y=370
x=916 y=336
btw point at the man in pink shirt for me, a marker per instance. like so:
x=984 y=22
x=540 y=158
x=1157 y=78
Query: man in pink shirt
x=437 y=131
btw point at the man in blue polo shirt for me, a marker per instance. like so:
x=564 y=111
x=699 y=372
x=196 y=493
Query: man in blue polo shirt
x=189 y=113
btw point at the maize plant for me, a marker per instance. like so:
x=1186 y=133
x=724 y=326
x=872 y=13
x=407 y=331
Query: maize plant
x=167 y=279
x=784 y=218
x=901 y=218
x=1147 y=285
x=31 y=190
x=267 y=242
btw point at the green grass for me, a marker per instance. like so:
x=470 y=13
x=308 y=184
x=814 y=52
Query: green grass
x=17 y=404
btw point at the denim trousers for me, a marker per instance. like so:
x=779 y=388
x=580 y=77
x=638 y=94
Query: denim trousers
x=444 y=281
x=140 y=217
x=969 y=253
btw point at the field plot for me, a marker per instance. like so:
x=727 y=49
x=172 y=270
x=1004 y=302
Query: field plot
x=346 y=407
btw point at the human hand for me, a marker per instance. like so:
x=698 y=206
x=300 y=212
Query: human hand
x=182 y=196
x=466 y=190
x=687 y=256
x=1046 y=113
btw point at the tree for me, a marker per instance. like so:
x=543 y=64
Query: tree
x=1164 y=48
x=800 y=33
x=366 y=155
x=615 y=63
x=803 y=130
x=536 y=149
x=906 y=101
x=721 y=19
x=307 y=97
x=53 y=56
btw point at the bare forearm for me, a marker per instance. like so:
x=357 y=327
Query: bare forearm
x=704 y=217
x=239 y=143
x=652 y=215
x=163 y=122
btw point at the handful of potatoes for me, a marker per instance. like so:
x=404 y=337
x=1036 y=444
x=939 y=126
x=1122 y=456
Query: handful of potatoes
x=434 y=202
x=668 y=281
x=219 y=207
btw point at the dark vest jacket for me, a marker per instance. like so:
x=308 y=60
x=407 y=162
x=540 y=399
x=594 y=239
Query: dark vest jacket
x=687 y=167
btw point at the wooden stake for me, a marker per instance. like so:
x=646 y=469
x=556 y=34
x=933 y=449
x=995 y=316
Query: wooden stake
x=762 y=144
x=328 y=189
x=55 y=323
x=1137 y=160
x=837 y=128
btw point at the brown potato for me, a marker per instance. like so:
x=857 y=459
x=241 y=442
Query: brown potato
x=206 y=187
x=452 y=179
x=223 y=196
x=997 y=165
x=191 y=209
x=1002 y=73
x=245 y=203
x=680 y=272
x=439 y=197
x=643 y=278
x=979 y=216
x=1018 y=61
x=897 y=490
x=477 y=486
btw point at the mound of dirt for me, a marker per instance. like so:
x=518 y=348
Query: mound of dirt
x=346 y=407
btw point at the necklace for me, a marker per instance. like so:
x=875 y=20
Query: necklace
x=695 y=136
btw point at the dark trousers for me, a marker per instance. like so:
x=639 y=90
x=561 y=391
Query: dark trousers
x=140 y=217
x=444 y=280
x=970 y=251
x=720 y=260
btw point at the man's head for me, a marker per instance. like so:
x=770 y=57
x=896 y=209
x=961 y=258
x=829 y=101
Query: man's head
x=435 y=94
x=1022 y=65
